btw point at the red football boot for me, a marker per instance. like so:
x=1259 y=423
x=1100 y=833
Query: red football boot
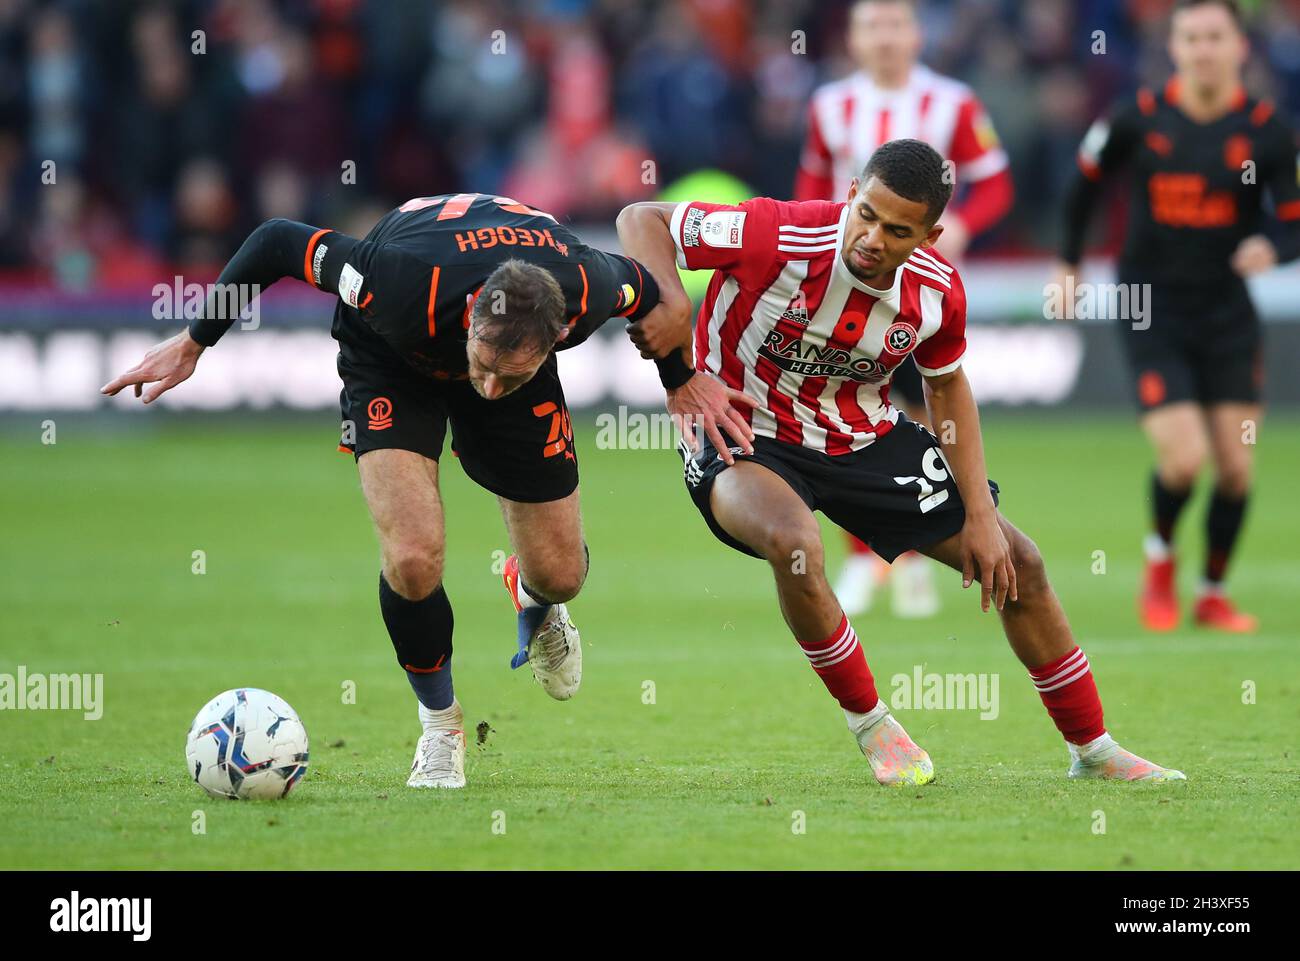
x=1158 y=602
x=1215 y=610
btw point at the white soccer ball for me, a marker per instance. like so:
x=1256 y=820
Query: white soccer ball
x=247 y=743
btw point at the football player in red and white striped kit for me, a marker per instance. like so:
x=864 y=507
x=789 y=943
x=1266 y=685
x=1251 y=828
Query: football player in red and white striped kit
x=810 y=309
x=893 y=95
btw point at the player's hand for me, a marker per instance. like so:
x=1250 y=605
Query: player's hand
x=707 y=401
x=1254 y=255
x=984 y=549
x=165 y=366
x=663 y=330
x=1061 y=287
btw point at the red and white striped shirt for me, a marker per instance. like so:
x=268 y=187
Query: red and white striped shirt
x=850 y=118
x=785 y=321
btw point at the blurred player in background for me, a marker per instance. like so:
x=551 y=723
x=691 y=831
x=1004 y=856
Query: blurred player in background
x=892 y=96
x=870 y=293
x=1201 y=155
x=450 y=311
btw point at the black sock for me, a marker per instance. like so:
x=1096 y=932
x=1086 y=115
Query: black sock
x=1167 y=504
x=421 y=636
x=1222 y=525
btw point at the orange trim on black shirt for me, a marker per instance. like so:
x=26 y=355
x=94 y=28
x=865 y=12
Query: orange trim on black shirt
x=1289 y=210
x=582 y=306
x=433 y=302
x=1263 y=110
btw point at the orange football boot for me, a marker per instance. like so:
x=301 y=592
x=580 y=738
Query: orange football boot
x=1158 y=602
x=1217 y=611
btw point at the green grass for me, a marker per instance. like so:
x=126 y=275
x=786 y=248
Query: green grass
x=99 y=531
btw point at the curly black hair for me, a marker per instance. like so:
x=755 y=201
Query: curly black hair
x=915 y=171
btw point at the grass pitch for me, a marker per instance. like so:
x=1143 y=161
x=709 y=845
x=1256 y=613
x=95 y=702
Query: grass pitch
x=740 y=747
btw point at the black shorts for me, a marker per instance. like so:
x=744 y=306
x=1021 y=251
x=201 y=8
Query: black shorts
x=1202 y=346
x=519 y=447
x=896 y=494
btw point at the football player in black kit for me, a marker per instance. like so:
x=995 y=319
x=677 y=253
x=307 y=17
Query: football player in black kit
x=450 y=311
x=1202 y=155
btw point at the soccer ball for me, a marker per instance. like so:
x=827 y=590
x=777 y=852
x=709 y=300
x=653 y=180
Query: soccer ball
x=246 y=743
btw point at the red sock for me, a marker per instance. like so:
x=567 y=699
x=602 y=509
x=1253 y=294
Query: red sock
x=1070 y=695
x=840 y=663
x=858 y=546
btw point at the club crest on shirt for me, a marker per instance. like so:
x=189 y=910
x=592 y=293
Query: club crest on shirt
x=900 y=338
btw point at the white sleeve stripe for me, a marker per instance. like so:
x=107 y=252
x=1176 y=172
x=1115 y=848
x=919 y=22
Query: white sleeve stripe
x=917 y=269
x=936 y=371
x=789 y=229
x=931 y=312
x=927 y=258
x=675 y=228
x=806 y=241
x=807 y=250
x=987 y=165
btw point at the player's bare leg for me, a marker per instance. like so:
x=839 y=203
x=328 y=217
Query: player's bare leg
x=1233 y=431
x=1181 y=444
x=1039 y=633
x=547 y=568
x=911 y=578
x=401 y=490
x=759 y=509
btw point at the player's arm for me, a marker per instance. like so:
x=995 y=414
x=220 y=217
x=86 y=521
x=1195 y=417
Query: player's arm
x=815 y=177
x=956 y=420
x=1107 y=146
x=984 y=168
x=984 y=548
x=645 y=231
x=275 y=250
x=1279 y=171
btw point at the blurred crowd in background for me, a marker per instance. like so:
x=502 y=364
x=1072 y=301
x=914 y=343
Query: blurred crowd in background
x=165 y=157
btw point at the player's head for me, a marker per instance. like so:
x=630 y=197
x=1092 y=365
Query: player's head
x=1207 y=43
x=894 y=207
x=884 y=38
x=517 y=320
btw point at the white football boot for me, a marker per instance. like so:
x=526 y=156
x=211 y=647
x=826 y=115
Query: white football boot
x=1104 y=758
x=895 y=758
x=555 y=654
x=554 y=650
x=440 y=755
x=914 y=593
